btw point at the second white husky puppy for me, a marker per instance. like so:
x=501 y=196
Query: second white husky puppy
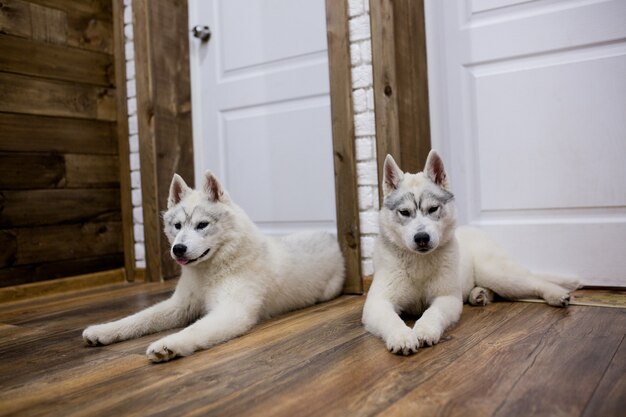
x=423 y=266
x=232 y=275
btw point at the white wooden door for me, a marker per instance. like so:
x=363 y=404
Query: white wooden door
x=261 y=109
x=528 y=105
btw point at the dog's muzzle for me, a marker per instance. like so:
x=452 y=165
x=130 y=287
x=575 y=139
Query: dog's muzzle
x=185 y=261
x=422 y=240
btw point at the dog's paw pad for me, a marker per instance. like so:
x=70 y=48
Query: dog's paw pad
x=159 y=352
x=403 y=342
x=91 y=342
x=98 y=336
x=427 y=335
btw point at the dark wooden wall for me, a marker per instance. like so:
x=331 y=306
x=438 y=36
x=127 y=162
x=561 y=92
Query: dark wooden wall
x=400 y=82
x=164 y=118
x=60 y=195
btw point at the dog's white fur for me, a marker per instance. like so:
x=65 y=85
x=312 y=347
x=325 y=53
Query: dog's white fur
x=435 y=275
x=243 y=278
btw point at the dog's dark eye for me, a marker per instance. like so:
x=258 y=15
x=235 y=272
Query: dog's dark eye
x=433 y=209
x=404 y=213
x=177 y=226
x=202 y=225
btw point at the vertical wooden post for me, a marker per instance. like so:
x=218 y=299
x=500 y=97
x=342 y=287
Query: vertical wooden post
x=122 y=139
x=400 y=82
x=347 y=201
x=164 y=117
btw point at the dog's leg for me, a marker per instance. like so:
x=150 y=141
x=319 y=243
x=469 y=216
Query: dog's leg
x=480 y=296
x=443 y=312
x=381 y=319
x=165 y=315
x=227 y=320
x=511 y=281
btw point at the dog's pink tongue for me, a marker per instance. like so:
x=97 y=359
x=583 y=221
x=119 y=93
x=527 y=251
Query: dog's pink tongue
x=182 y=261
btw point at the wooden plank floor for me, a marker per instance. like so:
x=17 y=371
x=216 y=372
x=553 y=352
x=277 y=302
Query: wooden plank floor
x=507 y=359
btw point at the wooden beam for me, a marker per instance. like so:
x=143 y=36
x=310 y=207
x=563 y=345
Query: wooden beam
x=122 y=140
x=385 y=85
x=56 y=286
x=400 y=83
x=164 y=117
x=347 y=201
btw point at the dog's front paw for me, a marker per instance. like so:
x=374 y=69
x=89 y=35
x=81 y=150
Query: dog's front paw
x=100 y=334
x=403 y=342
x=426 y=333
x=168 y=348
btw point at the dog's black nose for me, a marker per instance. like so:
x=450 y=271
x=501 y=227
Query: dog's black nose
x=179 y=249
x=421 y=239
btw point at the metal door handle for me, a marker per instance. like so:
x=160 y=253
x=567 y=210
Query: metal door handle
x=202 y=32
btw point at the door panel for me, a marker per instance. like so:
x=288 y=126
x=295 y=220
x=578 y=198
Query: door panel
x=264 y=126
x=528 y=103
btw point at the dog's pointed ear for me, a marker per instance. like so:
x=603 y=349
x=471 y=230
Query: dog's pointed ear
x=212 y=187
x=178 y=189
x=392 y=175
x=435 y=170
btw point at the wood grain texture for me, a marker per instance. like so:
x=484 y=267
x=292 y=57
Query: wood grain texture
x=86 y=171
x=400 y=83
x=48 y=25
x=27 y=133
x=60 y=242
x=22 y=94
x=64 y=176
x=44 y=271
x=147 y=145
x=610 y=397
x=29 y=57
x=27 y=171
x=61 y=285
x=62 y=23
x=346 y=197
x=15 y=18
x=386 y=87
x=101 y=9
x=48 y=207
x=317 y=361
x=164 y=118
x=19 y=171
x=412 y=79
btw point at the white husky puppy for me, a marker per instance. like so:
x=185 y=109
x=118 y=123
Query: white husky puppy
x=232 y=275
x=423 y=266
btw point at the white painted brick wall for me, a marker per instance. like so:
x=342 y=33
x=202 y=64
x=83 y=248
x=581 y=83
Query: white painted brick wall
x=133 y=138
x=363 y=98
x=365 y=128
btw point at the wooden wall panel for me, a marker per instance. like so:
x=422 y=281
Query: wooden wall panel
x=61 y=22
x=60 y=206
x=27 y=133
x=85 y=171
x=66 y=242
x=29 y=57
x=30 y=171
x=164 y=116
x=29 y=95
x=23 y=171
x=63 y=171
x=400 y=82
